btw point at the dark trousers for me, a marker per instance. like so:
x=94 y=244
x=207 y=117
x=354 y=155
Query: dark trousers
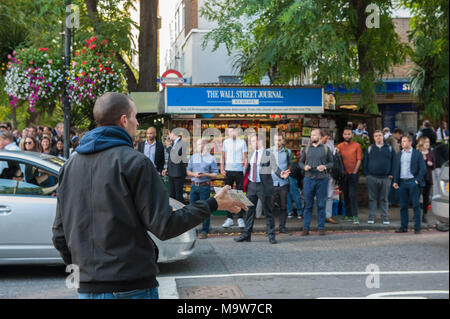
x=351 y=194
x=176 y=186
x=238 y=178
x=426 y=191
x=201 y=193
x=317 y=188
x=409 y=192
x=281 y=192
x=255 y=191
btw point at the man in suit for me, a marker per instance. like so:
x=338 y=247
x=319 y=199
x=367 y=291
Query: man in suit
x=153 y=149
x=409 y=177
x=261 y=165
x=176 y=166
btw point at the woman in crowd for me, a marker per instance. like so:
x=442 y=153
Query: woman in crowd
x=423 y=146
x=30 y=144
x=59 y=149
x=45 y=145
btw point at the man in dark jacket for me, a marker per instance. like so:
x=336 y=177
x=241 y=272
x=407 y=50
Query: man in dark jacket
x=109 y=196
x=261 y=164
x=316 y=160
x=153 y=149
x=378 y=167
x=410 y=170
x=176 y=165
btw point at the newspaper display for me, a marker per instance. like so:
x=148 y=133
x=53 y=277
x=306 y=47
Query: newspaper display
x=237 y=195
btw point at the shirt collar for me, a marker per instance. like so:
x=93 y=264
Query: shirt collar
x=147 y=143
x=410 y=151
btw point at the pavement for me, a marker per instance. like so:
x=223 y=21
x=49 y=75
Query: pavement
x=295 y=225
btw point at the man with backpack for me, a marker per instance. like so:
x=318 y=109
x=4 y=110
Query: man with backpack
x=378 y=167
x=315 y=160
x=331 y=181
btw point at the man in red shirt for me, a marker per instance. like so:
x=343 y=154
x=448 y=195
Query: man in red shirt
x=352 y=157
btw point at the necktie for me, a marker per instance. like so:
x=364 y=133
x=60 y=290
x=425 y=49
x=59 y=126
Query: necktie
x=255 y=167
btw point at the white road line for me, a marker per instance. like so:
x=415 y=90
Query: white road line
x=168 y=287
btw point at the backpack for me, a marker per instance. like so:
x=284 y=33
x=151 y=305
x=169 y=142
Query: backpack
x=338 y=170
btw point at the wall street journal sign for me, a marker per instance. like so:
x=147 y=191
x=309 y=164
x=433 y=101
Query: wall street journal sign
x=193 y=100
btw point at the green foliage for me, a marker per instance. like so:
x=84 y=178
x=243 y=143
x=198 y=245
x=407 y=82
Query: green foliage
x=39 y=23
x=430 y=37
x=288 y=38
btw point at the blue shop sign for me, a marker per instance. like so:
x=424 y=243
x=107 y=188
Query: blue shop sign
x=387 y=87
x=231 y=100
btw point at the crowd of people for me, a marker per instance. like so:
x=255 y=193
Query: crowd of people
x=40 y=139
x=398 y=166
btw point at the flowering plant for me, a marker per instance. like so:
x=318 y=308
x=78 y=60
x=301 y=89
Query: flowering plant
x=93 y=72
x=34 y=75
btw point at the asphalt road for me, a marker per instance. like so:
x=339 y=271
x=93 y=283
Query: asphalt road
x=338 y=265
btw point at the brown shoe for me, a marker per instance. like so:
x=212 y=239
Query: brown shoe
x=305 y=233
x=331 y=221
x=322 y=232
x=203 y=235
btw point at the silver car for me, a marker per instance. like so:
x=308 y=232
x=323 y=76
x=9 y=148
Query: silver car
x=440 y=200
x=28 y=208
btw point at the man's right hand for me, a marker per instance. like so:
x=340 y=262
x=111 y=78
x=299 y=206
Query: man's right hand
x=395 y=185
x=307 y=168
x=225 y=202
x=223 y=172
x=164 y=172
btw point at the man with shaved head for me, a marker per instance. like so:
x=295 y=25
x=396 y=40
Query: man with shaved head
x=109 y=197
x=153 y=149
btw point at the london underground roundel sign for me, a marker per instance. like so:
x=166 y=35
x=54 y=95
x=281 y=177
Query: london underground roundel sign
x=172 y=77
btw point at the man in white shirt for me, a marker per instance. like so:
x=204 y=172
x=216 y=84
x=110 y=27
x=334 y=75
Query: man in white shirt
x=234 y=159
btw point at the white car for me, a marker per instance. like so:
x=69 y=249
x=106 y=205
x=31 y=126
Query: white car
x=440 y=200
x=28 y=208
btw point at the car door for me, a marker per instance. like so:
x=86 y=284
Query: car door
x=27 y=211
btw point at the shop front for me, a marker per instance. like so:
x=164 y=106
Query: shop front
x=293 y=111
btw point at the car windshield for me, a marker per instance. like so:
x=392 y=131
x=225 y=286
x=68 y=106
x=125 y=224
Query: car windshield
x=53 y=159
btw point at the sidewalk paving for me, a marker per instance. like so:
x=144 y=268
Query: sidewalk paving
x=295 y=225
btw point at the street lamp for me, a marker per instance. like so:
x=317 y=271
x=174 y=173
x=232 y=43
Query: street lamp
x=66 y=97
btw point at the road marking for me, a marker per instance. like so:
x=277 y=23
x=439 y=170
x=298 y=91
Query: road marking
x=168 y=287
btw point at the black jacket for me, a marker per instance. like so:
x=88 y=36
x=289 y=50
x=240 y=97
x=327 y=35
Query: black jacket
x=176 y=165
x=159 y=155
x=268 y=165
x=103 y=214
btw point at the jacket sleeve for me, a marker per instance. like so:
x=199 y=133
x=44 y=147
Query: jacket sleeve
x=397 y=168
x=422 y=169
x=152 y=204
x=329 y=164
x=59 y=239
x=393 y=162
x=365 y=163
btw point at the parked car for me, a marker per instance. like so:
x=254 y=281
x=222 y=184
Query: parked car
x=28 y=208
x=440 y=200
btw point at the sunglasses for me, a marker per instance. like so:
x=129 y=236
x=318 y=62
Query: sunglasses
x=29 y=142
x=20 y=176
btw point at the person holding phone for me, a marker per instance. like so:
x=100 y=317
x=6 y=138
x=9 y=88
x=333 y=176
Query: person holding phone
x=202 y=168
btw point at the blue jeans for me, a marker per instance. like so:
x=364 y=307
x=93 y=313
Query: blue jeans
x=201 y=193
x=315 y=188
x=295 y=193
x=133 y=294
x=409 y=192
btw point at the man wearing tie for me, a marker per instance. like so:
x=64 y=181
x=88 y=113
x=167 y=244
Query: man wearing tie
x=261 y=165
x=152 y=149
